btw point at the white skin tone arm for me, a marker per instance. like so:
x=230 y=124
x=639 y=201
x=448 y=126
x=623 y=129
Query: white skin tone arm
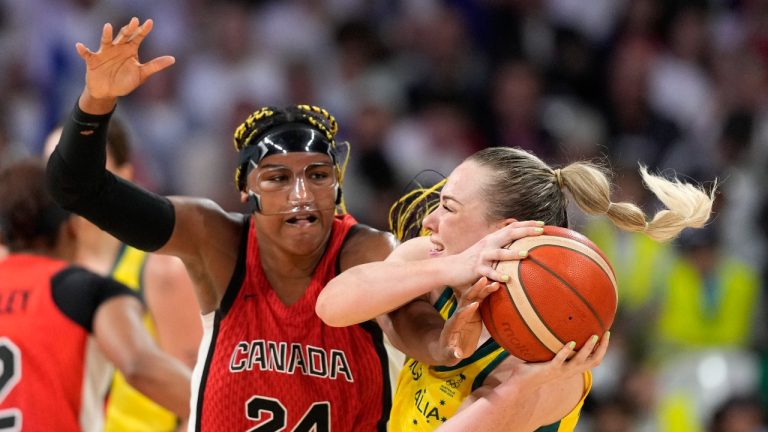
x=369 y=290
x=172 y=304
x=396 y=292
x=119 y=332
x=521 y=397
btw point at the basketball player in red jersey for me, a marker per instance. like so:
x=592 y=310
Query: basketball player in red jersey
x=266 y=360
x=479 y=386
x=63 y=327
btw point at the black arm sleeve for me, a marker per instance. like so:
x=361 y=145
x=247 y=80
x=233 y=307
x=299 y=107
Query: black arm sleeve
x=79 y=182
x=78 y=293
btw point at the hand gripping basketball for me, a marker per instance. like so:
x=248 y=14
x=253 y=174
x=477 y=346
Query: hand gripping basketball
x=462 y=330
x=565 y=290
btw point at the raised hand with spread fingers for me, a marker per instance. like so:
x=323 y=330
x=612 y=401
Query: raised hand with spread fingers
x=115 y=70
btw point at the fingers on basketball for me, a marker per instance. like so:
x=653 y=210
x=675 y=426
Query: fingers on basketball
x=565 y=290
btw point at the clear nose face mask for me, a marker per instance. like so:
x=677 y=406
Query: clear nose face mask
x=279 y=190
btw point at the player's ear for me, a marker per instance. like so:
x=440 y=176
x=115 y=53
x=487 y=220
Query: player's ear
x=243 y=197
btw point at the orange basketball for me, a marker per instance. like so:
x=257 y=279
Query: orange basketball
x=565 y=290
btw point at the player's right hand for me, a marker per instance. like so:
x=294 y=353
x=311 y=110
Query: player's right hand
x=480 y=259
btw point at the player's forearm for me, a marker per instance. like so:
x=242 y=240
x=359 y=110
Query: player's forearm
x=505 y=408
x=522 y=402
x=79 y=182
x=369 y=290
x=415 y=329
x=163 y=379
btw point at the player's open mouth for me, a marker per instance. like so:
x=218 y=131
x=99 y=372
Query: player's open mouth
x=436 y=248
x=302 y=219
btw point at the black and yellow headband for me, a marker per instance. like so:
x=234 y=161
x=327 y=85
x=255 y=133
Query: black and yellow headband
x=287 y=138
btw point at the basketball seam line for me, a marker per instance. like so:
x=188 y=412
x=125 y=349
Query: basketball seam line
x=531 y=331
x=534 y=308
x=584 y=300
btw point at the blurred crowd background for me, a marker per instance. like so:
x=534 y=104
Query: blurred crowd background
x=676 y=85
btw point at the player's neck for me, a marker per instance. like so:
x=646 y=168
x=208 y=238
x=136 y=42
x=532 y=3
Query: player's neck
x=97 y=252
x=289 y=275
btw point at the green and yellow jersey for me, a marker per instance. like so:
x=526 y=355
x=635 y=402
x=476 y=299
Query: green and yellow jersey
x=127 y=409
x=427 y=396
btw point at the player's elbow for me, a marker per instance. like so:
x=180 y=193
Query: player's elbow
x=133 y=370
x=328 y=313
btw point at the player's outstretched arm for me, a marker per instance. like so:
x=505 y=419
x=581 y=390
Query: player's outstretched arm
x=79 y=182
x=522 y=397
x=76 y=172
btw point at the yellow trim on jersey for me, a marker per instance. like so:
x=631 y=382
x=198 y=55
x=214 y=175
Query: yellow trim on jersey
x=568 y=423
x=127 y=409
x=128 y=267
x=427 y=396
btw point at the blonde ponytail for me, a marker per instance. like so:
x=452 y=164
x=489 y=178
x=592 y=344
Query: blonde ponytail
x=687 y=206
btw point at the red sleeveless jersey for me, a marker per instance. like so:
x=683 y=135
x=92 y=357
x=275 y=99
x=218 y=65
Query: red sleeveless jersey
x=272 y=367
x=44 y=379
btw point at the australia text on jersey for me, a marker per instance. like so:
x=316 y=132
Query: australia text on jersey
x=289 y=359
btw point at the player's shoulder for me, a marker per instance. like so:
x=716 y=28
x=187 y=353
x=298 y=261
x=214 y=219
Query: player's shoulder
x=365 y=244
x=162 y=271
x=365 y=234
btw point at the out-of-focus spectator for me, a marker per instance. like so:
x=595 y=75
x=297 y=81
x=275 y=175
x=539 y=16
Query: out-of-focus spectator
x=680 y=85
x=439 y=136
x=517 y=107
x=444 y=63
x=708 y=316
x=739 y=414
x=637 y=133
x=231 y=66
x=613 y=414
x=709 y=298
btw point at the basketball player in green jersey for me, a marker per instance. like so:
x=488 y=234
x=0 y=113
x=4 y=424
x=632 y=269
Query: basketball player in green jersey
x=172 y=318
x=479 y=386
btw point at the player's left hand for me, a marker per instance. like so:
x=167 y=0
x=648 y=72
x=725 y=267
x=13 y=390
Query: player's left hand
x=566 y=362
